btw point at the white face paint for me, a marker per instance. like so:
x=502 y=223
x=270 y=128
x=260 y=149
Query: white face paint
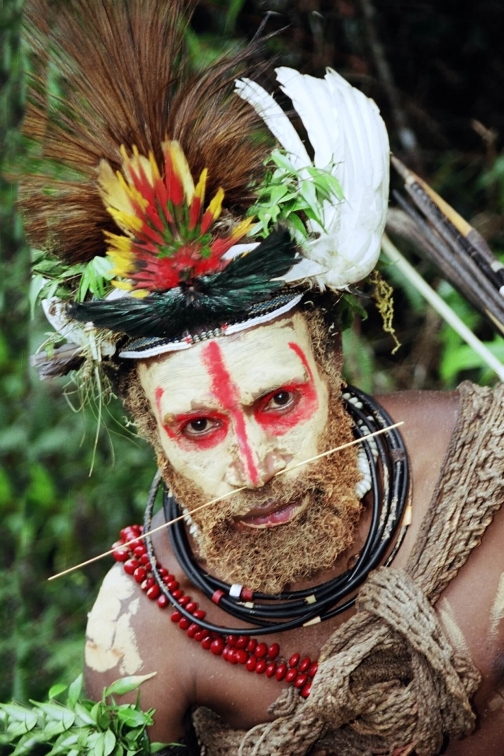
x=111 y=641
x=234 y=411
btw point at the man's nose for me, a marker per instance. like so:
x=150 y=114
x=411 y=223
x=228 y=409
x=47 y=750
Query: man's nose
x=254 y=461
x=239 y=473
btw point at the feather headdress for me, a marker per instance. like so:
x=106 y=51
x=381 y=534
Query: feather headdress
x=135 y=145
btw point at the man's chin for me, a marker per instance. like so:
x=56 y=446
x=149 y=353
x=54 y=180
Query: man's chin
x=270 y=558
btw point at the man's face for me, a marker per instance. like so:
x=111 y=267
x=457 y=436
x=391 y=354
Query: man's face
x=231 y=413
x=234 y=411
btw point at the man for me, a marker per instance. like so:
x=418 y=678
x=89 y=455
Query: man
x=129 y=634
x=292 y=612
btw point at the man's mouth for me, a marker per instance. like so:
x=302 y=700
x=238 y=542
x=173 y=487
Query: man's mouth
x=270 y=515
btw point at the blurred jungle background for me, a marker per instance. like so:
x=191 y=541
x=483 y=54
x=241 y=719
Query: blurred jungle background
x=436 y=70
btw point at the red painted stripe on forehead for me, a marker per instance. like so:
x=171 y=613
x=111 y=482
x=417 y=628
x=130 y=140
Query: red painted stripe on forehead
x=302 y=356
x=227 y=394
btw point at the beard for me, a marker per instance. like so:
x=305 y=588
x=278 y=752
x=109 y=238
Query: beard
x=271 y=559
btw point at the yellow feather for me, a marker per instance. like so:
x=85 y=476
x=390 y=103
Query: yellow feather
x=182 y=169
x=154 y=166
x=199 y=192
x=242 y=228
x=121 y=243
x=123 y=285
x=134 y=162
x=129 y=223
x=113 y=192
x=215 y=205
x=132 y=192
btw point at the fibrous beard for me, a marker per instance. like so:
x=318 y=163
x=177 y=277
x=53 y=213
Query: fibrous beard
x=270 y=559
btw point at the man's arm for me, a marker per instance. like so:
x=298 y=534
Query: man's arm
x=129 y=635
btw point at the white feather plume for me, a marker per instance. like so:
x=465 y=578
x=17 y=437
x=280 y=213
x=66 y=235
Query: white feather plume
x=349 y=140
x=275 y=119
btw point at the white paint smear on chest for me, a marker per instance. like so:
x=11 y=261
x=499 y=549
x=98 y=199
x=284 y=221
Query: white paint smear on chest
x=455 y=634
x=497 y=610
x=111 y=640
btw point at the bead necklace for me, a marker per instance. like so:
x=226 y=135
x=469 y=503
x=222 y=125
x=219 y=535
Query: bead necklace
x=389 y=484
x=255 y=656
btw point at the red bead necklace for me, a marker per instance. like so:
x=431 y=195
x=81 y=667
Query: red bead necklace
x=255 y=656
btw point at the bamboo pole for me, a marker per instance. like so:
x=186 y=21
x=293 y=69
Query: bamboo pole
x=393 y=254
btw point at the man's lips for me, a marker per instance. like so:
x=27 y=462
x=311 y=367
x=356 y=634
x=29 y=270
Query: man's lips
x=270 y=515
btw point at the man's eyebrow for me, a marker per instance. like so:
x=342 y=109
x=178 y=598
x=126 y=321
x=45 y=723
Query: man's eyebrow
x=279 y=385
x=187 y=411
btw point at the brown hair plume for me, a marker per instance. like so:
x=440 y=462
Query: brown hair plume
x=125 y=80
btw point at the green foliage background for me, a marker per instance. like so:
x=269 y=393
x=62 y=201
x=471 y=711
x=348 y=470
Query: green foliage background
x=448 y=67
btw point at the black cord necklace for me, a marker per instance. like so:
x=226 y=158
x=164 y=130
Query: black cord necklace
x=388 y=464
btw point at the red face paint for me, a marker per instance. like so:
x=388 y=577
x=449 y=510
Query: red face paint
x=204 y=440
x=227 y=394
x=305 y=402
x=175 y=429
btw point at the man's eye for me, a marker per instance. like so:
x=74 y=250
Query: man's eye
x=200 y=426
x=281 y=400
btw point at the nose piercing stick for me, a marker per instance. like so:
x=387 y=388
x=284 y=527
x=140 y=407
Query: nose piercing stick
x=225 y=496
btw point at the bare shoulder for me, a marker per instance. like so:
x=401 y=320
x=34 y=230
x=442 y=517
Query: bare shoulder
x=435 y=411
x=128 y=635
x=429 y=419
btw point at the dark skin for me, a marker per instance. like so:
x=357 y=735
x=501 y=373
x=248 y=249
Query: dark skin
x=187 y=676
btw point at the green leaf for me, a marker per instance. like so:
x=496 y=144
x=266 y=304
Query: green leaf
x=74 y=692
x=84 y=734
x=282 y=161
x=37 y=284
x=63 y=745
x=326 y=182
x=52 y=729
x=84 y=715
x=31 y=720
x=15 y=711
x=17 y=729
x=277 y=192
x=463 y=357
x=156 y=747
x=99 y=745
x=56 y=690
x=25 y=747
x=109 y=743
x=131 y=716
x=299 y=227
x=51 y=709
x=105 y=717
x=69 y=718
x=102 y=266
x=309 y=194
x=95 y=712
x=126 y=684
x=133 y=735
x=313 y=216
